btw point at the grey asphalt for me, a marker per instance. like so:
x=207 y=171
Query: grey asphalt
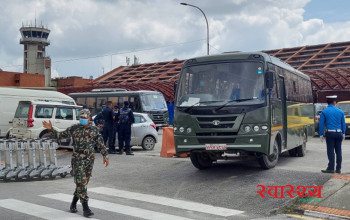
x=230 y=184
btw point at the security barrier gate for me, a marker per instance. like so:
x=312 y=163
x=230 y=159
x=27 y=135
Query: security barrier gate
x=30 y=159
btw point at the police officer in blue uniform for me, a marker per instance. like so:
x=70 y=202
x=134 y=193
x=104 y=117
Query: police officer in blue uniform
x=334 y=120
x=125 y=120
x=115 y=123
x=108 y=116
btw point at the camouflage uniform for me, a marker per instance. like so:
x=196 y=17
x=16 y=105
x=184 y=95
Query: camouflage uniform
x=84 y=141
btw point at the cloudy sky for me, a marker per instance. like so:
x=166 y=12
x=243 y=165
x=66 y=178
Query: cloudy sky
x=91 y=37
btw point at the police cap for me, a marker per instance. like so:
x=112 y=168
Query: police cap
x=116 y=106
x=331 y=98
x=126 y=102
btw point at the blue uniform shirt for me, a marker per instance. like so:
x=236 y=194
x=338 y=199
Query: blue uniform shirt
x=334 y=119
x=108 y=114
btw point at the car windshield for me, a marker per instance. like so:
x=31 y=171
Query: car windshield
x=154 y=101
x=345 y=107
x=221 y=84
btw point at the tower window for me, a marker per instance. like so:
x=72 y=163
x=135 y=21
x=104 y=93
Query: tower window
x=40 y=55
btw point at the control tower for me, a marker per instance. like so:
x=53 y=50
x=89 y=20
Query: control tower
x=35 y=60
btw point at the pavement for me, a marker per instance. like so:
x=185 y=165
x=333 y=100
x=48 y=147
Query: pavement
x=335 y=202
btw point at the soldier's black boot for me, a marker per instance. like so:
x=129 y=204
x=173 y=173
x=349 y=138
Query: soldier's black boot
x=87 y=212
x=73 y=205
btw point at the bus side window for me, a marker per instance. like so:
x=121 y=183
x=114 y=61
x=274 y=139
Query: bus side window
x=91 y=102
x=81 y=101
x=135 y=103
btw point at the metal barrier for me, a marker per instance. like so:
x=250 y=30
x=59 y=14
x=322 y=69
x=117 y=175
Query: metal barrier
x=29 y=159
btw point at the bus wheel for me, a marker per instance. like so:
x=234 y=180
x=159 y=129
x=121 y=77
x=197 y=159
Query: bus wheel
x=201 y=160
x=301 y=150
x=270 y=161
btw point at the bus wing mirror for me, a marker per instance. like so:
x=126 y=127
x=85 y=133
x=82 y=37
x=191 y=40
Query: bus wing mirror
x=269 y=79
x=175 y=86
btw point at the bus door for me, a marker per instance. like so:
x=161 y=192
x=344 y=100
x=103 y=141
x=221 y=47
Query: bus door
x=284 y=111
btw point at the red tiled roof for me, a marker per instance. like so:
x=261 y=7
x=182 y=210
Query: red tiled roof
x=165 y=87
x=328 y=66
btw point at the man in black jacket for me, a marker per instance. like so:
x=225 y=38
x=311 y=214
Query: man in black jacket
x=125 y=120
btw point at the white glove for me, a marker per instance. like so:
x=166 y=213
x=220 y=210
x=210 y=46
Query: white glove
x=322 y=138
x=343 y=136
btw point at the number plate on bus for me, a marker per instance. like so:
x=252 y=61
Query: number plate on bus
x=215 y=147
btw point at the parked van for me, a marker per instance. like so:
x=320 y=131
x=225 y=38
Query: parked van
x=9 y=98
x=29 y=117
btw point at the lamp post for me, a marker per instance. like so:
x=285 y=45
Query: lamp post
x=205 y=20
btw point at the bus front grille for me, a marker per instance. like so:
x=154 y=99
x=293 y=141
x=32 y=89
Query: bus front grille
x=216 y=126
x=216 y=140
x=158 y=118
x=210 y=119
x=216 y=134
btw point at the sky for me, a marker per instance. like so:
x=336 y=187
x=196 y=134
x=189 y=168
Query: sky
x=92 y=37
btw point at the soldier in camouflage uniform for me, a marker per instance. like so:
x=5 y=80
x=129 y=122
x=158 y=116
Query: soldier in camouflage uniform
x=85 y=138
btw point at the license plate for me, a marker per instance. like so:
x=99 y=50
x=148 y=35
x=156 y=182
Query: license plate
x=215 y=147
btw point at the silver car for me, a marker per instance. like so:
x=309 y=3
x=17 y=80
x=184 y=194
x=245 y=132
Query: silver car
x=143 y=132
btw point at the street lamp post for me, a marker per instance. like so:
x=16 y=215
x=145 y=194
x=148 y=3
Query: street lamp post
x=205 y=20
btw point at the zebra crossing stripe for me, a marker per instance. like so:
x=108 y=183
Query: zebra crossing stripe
x=192 y=206
x=117 y=208
x=39 y=211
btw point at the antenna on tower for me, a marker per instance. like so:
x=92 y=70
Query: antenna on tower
x=136 y=61
x=127 y=61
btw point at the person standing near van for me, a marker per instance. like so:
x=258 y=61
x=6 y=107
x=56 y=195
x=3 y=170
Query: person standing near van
x=115 y=123
x=334 y=120
x=85 y=138
x=99 y=122
x=125 y=120
x=108 y=134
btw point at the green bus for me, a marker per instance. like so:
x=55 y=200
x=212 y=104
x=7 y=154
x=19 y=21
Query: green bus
x=144 y=101
x=242 y=105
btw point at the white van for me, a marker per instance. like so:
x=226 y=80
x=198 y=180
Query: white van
x=10 y=97
x=29 y=117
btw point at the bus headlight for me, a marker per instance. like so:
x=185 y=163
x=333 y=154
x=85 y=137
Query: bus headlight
x=247 y=128
x=181 y=129
x=189 y=130
x=264 y=127
x=256 y=128
x=175 y=129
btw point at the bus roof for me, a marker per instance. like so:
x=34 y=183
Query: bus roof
x=33 y=93
x=112 y=93
x=246 y=55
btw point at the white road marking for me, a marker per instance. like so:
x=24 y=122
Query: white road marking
x=38 y=210
x=121 y=209
x=182 y=204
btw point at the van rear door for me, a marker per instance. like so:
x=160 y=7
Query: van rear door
x=21 y=119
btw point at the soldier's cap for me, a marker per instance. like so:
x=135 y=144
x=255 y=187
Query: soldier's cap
x=85 y=113
x=126 y=102
x=116 y=106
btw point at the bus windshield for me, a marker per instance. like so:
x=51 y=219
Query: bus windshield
x=151 y=102
x=221 y=84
